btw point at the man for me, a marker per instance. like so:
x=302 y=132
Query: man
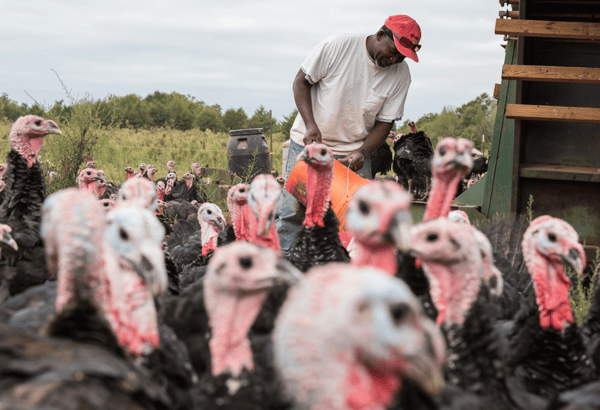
x=349 y=91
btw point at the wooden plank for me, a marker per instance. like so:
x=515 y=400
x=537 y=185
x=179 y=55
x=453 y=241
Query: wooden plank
x=560 y=172
x=496 y=93
x=552 y=113
x=583 y=75
x=550 y=29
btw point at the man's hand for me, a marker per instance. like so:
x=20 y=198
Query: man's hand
x=312 y=134
x=355 y=160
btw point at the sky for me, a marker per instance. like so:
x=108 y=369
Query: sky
x=233 y=53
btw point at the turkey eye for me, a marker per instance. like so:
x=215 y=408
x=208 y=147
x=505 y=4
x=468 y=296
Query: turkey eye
x=363 y=207
x=246 y=262
x=123 y=234
x=399 y=313
x=106 y=204
x=552 y=237
x=38 y=123
x=242 y=190
x=209 y=212
x=442 y=151
x=323 y=151
x=432 y=237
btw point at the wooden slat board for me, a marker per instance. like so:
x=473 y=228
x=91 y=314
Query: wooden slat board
x=551 y=74
x=552 y=113
x=560 y=172
x=551 y=29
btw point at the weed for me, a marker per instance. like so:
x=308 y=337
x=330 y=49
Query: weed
x=530 y=209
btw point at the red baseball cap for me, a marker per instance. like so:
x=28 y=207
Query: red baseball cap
x=407 y=35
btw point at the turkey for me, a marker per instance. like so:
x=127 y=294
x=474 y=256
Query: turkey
x=263 y=200
x=318 y=242
x=412 y=163
x=379 y=220
x=239 y=211
x=225 y=320
x=185 y=189
x=451 y=161
x=104 y=312
x=137 y=253
x=24 y=194
x=456 y=273
x=382 y=159
x=348 y=337
x=547 y=353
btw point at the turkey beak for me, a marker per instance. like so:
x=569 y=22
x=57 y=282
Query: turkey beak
x=425 y=371
x=287 y=273
x=52 y=128
x=303 y=156
x=399 y=230
x=462 y=160
x=151 y=268
x=98 y=178
x=8 y=240
x=220 y=223
x=575 y=259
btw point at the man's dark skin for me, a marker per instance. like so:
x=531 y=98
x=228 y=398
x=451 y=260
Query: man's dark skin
x=384 y=52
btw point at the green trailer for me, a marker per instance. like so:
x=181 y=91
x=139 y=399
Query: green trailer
x=546 y=142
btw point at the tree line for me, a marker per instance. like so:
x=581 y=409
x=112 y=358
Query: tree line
x=473 y=120
x=156 y=110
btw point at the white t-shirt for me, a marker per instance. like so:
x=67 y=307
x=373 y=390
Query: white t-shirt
x=350 y=92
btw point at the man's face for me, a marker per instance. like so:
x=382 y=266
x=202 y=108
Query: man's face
x=385 y=53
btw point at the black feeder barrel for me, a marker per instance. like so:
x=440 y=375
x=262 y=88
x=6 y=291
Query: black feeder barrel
x=248 y=153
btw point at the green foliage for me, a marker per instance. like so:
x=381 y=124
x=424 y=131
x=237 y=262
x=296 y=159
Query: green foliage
x=581 y=296
x=286 y=125
x=235 y=119
x=530 y=209
x=262 y=119
x=210 y=119
x=471 y=121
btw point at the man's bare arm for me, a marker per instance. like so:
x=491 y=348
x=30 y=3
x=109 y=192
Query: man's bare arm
x=303 y=100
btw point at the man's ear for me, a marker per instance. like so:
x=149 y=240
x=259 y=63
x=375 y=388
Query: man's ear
x=380 y=34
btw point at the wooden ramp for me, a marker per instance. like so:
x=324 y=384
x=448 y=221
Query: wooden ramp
x=546 y=140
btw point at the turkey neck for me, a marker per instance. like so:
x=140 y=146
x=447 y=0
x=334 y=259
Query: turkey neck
x=319 y=179
x=382 y=256
x=209 y=235
x=474 y=361
x=239 y=214
x=230 y=316
x=441 y=196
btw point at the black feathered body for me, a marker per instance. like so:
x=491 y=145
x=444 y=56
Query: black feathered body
x=381 y=160
x=48 y=373
x=25 y=189
x=21 y=209
x=474 y=363
x=590 y=329
x=319 y=245
x=417 y=281
x=412 y=161
x=546 y=361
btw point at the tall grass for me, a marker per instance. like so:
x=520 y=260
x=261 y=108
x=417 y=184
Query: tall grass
x=118 y=148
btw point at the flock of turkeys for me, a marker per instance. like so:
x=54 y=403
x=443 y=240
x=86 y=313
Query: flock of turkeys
x=100 y=310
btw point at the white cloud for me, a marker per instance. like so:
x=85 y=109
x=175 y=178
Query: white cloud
x=236 y=53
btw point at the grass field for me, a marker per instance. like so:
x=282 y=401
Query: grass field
x=121 y=147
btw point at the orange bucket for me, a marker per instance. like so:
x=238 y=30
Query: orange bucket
x=345 y=183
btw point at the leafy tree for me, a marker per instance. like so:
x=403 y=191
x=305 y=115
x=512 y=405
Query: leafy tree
x=9 y=109
x=261 y=119
x=210 y=118
x=235 y=119
x=286 y=125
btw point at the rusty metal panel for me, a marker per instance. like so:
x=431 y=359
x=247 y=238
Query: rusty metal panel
x=574 y=201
